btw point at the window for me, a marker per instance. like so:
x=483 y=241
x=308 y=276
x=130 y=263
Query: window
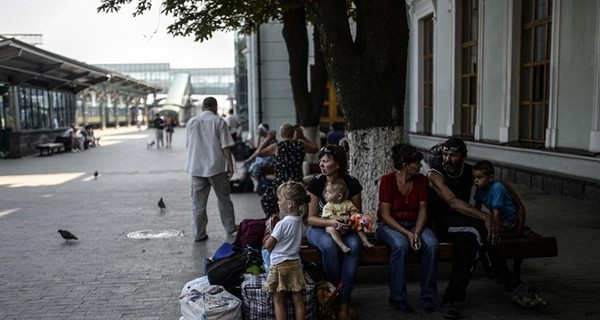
x=469 y=55
x=536 y=22
x=427 y=63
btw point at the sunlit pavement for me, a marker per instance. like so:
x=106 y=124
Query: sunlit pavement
x=106 y=275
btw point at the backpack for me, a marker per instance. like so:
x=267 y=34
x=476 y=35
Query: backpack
x=229 y=271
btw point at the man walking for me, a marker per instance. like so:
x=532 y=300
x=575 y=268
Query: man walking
x=209 y=162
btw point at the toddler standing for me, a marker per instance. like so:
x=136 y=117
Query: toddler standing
x=285 y=273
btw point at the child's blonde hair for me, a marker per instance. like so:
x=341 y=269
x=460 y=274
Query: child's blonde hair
x=295 y=192
x=340 y=186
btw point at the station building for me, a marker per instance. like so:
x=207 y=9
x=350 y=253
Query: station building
x=519 y=81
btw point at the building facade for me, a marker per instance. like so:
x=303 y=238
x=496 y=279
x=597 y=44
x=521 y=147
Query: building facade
x=519 y=80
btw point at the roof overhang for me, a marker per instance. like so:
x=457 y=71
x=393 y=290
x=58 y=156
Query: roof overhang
x=23 y=63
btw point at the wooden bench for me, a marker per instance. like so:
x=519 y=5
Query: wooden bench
x=50 y=148
x=517 y=249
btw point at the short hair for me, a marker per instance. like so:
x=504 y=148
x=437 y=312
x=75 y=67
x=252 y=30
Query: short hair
x=404 y=153
x=338 y=185
x=455 y=144
x=209 y=103
x=287 y=130
x=338 y=154
x=484 y=166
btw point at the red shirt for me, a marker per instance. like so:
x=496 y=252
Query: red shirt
x=403 y=208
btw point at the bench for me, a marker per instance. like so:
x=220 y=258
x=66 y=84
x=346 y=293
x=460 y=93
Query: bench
x=50 y=148
x=517 y=249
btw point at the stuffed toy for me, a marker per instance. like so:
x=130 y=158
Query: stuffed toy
x=361 y=222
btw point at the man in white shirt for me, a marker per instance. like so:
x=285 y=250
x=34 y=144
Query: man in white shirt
x=209 y=162
x=233 y=122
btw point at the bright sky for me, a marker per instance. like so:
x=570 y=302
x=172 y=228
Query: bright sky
x=74 y=29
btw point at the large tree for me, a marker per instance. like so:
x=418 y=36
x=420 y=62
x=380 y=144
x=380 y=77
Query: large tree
x=364 y=48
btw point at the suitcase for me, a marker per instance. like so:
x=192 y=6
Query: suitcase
x=201 y=301
x=258 y=304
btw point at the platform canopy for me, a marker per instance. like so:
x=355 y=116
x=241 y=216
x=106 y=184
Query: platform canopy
x=24 y=63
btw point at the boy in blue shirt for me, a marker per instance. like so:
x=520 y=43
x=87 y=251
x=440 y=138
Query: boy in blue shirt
x=494 y=196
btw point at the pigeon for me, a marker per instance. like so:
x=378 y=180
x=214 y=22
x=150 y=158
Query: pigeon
x=95 y=175
x=67 y=235
x=161 y=204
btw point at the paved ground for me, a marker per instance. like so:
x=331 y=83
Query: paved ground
x=105 y=275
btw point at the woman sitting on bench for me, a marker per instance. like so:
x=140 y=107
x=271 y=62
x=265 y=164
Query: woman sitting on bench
x=402 y=217
x=339 y=267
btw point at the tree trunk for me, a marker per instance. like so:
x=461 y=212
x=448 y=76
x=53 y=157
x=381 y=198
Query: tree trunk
x=307 y=103
x=369 y=73
x=370 y=151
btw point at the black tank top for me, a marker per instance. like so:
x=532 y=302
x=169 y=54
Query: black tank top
x=460 y=185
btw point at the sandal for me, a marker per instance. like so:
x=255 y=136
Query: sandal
x=529 y=301
x=449 y=311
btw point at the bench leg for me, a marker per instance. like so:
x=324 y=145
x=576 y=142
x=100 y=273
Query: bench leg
x=517 y=267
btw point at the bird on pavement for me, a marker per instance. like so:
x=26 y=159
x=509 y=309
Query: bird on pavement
x=67 y=235
x=161 y=204
x=95 y=175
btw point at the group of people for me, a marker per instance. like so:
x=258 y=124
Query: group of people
x=79 y=139
x=163 y=127
x=416 y=211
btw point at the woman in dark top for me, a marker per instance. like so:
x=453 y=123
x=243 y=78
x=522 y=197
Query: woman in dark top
x=338 y=266
x=289 y=155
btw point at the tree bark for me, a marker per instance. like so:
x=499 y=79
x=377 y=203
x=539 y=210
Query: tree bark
x=369 y=73
x=307 y=103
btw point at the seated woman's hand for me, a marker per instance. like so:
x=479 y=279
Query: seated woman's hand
x=414 y=240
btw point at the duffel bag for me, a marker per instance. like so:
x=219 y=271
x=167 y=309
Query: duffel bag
x=258 y=304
